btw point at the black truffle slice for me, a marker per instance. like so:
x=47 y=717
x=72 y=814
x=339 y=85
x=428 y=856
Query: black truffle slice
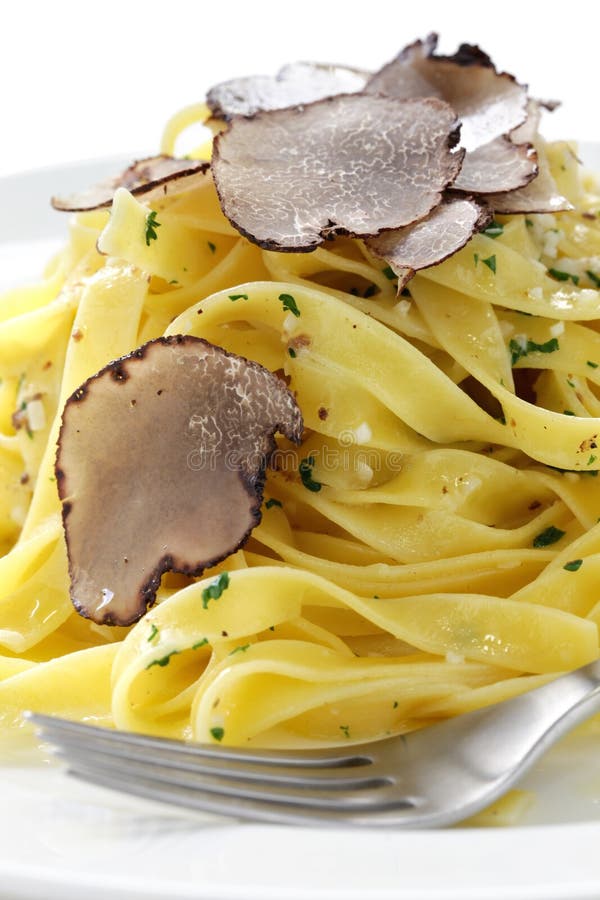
x=352 y=164
x=487 y=102
x=296 y=83
x=539 y=196
x=160 y=467
x=499 y=165
x=442 y=233
x=153 y=177
x=489 y=105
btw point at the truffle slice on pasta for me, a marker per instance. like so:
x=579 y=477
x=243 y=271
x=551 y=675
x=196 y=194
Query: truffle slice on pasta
x=488 y=103
x=150 y=178
x=296 y=83
x=353 y=164
x=160 y=467
x=442 y=233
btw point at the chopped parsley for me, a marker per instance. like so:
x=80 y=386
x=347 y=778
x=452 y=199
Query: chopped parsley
x=595 y=279
x=476 y=258
x=290 y=304
x=389 y=273
x=273 y=502
x=214 y=590
x=573 y=565
x=519 y=349
x=235 y=297
x=153 y=632
x=549 y=536
x=395 y=704
x=346 y=730
x=305 y=470
x=164 y=660
x=151 y=226
x=591 y=364
x=212 y=247
x=292 y=352
x=591 y=460
x=240 y=649
x=217 y=733
x=529 y=223
x=494 y=229
x=199 y=644
x=490 y=262
x=559 y=275
x=568 y=412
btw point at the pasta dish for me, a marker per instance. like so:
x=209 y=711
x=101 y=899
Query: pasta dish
x=417 y=535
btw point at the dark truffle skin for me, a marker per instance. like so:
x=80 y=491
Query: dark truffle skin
x=161 y=465
x=150 y=178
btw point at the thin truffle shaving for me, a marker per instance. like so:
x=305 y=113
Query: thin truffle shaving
x=160 y=467
x=353 y=164
x=488 y=103
x=442 y=233
x=296 y=83
x=150 y=178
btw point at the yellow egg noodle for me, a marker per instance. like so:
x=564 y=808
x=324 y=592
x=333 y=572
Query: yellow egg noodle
x=431 y=547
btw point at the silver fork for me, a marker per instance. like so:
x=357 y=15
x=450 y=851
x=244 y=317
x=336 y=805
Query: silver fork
x=434 y=777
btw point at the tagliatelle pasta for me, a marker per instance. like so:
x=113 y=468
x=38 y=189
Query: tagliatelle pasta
x=432 y=545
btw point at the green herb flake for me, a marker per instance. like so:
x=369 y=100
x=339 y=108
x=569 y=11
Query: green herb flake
x=591 y=364
x=549 y=536
x=212 y=247
x=529 y=223
x=476 y=258
x=292 y=352
x=574 y=565
x=591 y=460
x=494 y=229
x=305 y=470
x=199 y=644
x=235 y=297
x=571 y=383
x=151 y=226
x=568 y=412
x=595 y=279
x=290 y=304
x=164 y=660
x=370 y=291
x=518 y=349
x=153 y=632
x=395 y=704
x=346 y=730
x=389 y=273
x=490 y=262
x=240 y=649
x=214 y=590
x=173 y=281
x=217 y=733
x=273 y=502
x=559 y=275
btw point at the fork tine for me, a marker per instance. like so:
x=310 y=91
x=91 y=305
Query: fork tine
x=62 y=729
x=321 y=796
x=81 y=746
x=244 y=808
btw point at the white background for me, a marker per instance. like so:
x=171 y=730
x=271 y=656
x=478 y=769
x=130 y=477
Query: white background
x=81 y=80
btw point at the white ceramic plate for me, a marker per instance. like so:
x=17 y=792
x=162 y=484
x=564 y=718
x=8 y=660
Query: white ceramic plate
x=61 y=839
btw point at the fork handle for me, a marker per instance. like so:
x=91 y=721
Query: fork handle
x=538 y=718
